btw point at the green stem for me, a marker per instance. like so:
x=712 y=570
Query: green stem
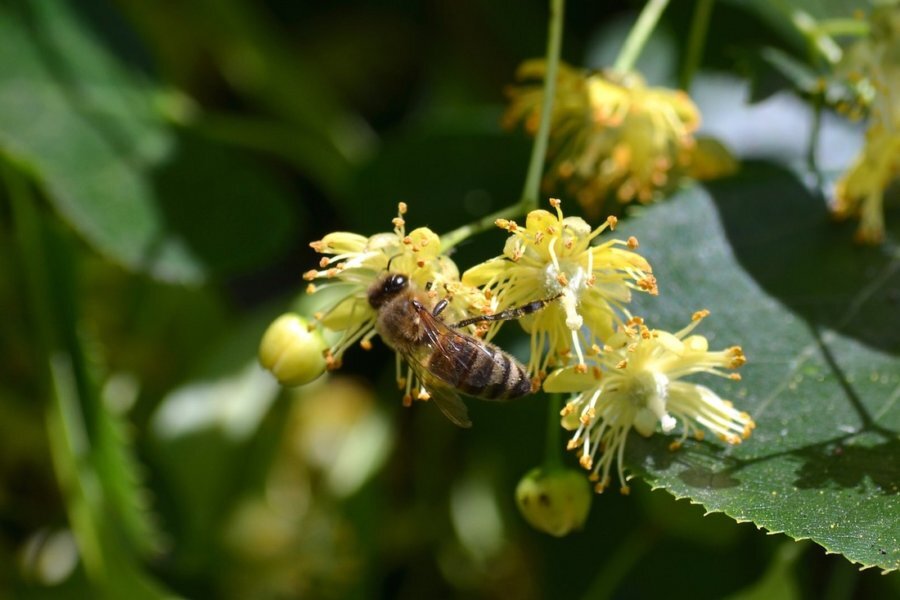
x=451 y=239
x=811 y=162
x=639 y=35
x=839 y=27
x=531 y=191
x=820 y=43
x=696 y=41
x=552 y=458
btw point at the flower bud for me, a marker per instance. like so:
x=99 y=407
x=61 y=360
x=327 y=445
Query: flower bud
x=555 y=501
x=293 y=353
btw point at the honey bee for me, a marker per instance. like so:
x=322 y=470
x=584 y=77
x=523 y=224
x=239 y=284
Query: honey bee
x=445 y=359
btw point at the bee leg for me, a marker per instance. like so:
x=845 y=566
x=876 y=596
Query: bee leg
x=508 y=314
x=439 y=307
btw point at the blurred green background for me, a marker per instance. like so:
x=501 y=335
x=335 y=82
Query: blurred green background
x=165 y=165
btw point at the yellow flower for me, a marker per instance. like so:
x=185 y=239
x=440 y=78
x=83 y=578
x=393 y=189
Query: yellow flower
x=354 y=262
x=553 y=256
x=874 y=64
x=636 y=384
x=610 y=134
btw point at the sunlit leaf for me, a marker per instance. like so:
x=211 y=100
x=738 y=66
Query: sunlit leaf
x=818 y=319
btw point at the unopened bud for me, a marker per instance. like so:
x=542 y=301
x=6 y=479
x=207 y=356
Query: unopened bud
x=292 y=352
x=555 y=501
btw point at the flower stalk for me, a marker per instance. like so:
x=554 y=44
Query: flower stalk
x=696 y=42
x=639 y=35
x=539 y=149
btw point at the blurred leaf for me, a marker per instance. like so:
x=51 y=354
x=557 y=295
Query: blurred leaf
x=818 y=320
x=91 y=129
x=92 y=462
x=779 y=13
x=201 y=433
x=127 y=498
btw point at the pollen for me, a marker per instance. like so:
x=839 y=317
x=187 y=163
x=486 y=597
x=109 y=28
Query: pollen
x=648 y=284
x=311 y=288
x=632 y=243
x=700 y=314
x=366 y=344
x=612 y=222
x=401 y=208
x=310 y=275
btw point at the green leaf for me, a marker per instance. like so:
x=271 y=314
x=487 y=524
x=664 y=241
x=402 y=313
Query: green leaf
x=819 y=321
x=91 y=128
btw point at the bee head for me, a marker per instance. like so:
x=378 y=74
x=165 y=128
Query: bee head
x=386 y=288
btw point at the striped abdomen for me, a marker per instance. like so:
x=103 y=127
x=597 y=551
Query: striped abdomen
x=479 y=369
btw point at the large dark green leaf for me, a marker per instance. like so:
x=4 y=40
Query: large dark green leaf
x=91 y=130
x=819 y=320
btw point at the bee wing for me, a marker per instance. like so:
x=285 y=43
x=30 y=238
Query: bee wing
x=454 y=344
x=451 y=405
x=444 y=396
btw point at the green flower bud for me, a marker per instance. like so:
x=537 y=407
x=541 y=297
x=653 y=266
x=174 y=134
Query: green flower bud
x=291 y=351
x=555 y=501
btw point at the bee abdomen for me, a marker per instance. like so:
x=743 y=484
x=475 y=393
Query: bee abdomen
x=495 y=375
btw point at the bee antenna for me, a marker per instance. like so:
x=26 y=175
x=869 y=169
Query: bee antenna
x=390 y=260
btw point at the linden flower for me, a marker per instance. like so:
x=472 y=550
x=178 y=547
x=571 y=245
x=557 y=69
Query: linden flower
x=874 y=62
x=636 y=384
x=355 y=262
x=611 y=134
x=553 y=257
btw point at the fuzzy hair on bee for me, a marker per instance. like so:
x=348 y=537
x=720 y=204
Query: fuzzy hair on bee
x=446 y=360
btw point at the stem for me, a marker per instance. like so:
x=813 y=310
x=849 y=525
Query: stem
x=451 y=239
x=530 y=192
x=696 y=41
x=811 y=162
x=539 y=150
x=552 y=459
x=639 y=34
x=838 y=27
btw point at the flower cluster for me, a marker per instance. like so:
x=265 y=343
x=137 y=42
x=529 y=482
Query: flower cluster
x=352 y=263
x=555 y=257
x=636 y=382
x=873 y=65
x=611 y=134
